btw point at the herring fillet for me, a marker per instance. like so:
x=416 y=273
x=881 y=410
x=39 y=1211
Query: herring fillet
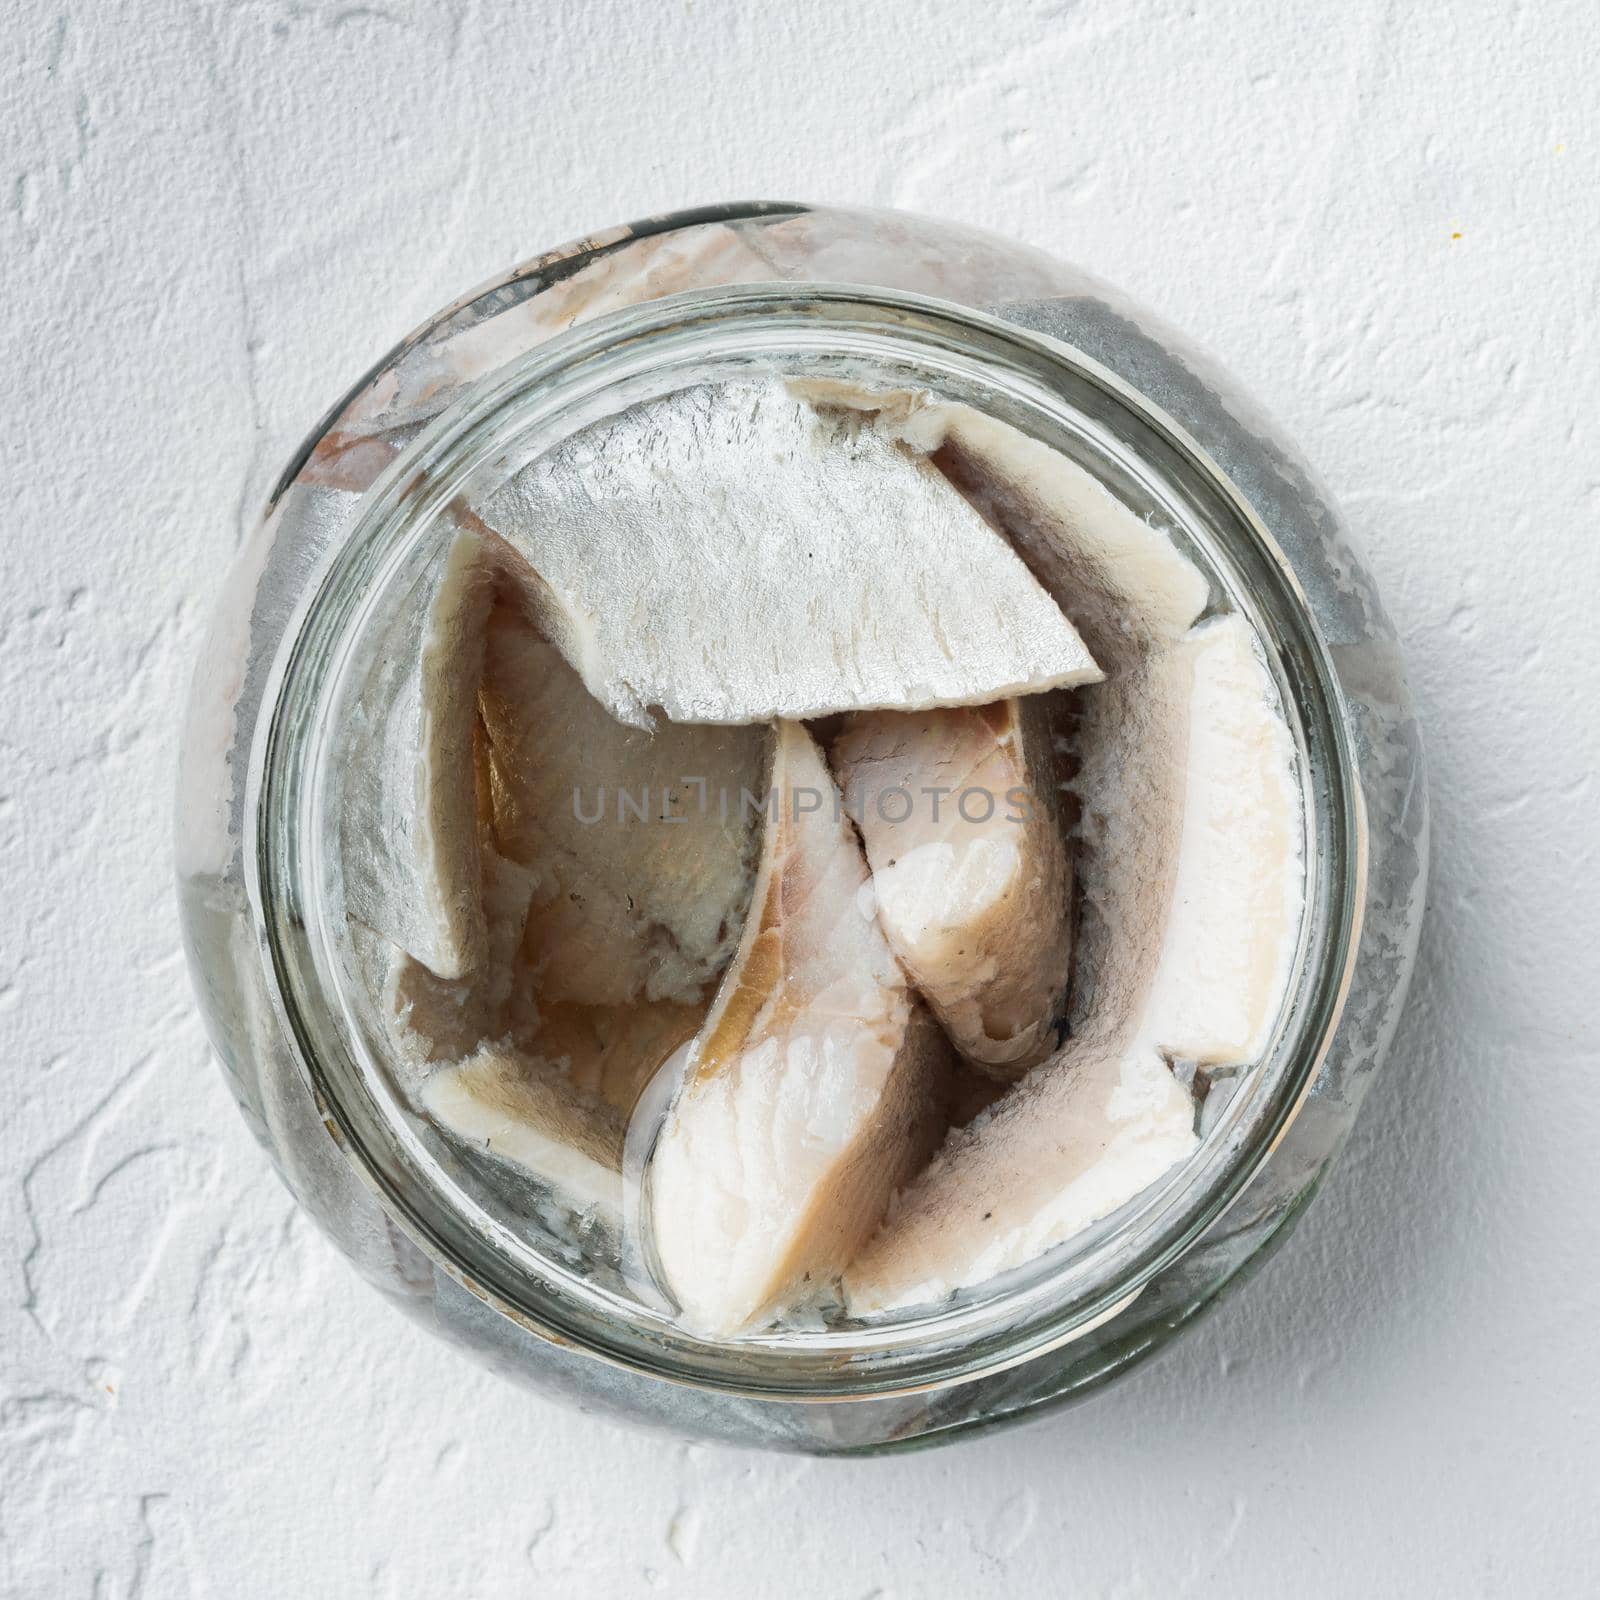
x=623 y=924
x=812 y=1092
x=960 y=816
x=525 y=1111
x=642 y=847
x=727 y=554
x=1123 y=584
x=1230 y=936
x=409 y=840
x=440 y=1019
x=1075 y=1141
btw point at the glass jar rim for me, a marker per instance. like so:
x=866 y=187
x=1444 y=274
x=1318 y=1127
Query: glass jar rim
x=1074 y=404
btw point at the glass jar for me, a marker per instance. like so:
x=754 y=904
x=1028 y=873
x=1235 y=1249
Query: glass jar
x=574 y=334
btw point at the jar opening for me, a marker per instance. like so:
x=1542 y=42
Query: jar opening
x=526 y=1255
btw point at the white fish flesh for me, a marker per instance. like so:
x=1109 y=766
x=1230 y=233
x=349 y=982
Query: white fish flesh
x=1122 y=583
x=1076 y=1140
x=959 y=811
x=815 y=1088
x=529 y=1113
x=727 y=554
x=1232 y=931
x=642 y=842
x=443 y=1019
x=409 y=836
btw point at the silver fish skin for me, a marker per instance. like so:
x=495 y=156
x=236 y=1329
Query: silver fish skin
x=728 y=554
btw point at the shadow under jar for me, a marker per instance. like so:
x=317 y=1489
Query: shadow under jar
x=300 y=659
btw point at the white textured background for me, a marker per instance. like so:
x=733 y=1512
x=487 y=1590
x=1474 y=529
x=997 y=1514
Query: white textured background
x=1384 y=217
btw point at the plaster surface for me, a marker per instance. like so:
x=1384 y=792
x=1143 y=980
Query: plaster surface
x=1382 y=217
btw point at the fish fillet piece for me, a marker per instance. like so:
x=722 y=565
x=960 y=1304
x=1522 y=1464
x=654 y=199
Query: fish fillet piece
x=814 y=1089
x=643 y=843
x=1064 y=1149
x=727 y=554
x=959 y=811
x=1192 y=881
x=409 y=837
x=1191 y=867
x=528 y=1112
x=1123 y=583
x=1231 y=934
x=442 y=1019
x=558 y=1104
